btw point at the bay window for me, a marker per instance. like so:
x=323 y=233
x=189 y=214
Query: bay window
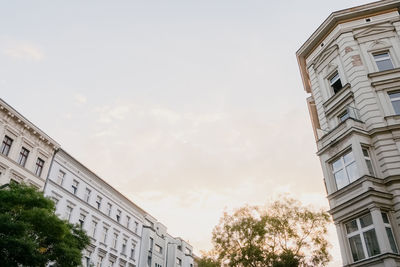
x=345 y=170
x=362 y=238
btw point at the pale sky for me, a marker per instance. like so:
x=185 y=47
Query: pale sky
x=189 y=108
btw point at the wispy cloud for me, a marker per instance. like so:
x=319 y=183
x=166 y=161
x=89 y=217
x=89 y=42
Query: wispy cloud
x=26 y=51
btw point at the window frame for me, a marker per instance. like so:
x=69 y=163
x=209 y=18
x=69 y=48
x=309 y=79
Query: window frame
x=6 y=145
x=39 y=166
x=74 y=186
x=23 y=156
x=344 y=166
x=360 y=232
x=381 y=52
x=60 y=178
x=396 y=99
x=332 y=81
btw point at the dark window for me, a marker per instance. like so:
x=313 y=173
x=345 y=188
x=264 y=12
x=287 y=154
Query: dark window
x=335 y=82
x=395 y=99
x=39 y=166
x=6 y=145
x=23 y=156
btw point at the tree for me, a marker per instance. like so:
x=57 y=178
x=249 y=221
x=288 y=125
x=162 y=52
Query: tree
x=32 y=235
x=208 y=260
x=281 y=234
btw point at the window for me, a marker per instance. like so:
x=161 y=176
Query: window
x=86 y=261
x=136 y=226
x=55 y=200
x=132 y=256
x=180 y=247
x=104 y=235
x=39 y=166
x=128 y=221
x=110 y=263
x=395 y=99
x=124 y=246
x=151 y=244
x=368 y=161
x=98 y=202
x=6 y=145
x=118 y=216
x=345 y=170
x=389 y=232
x=335 y=82
x=383 y=61
x=23 y=156
x=82 y=218
x=109 y=207
x=87 y=194
x=115 y=240
x=74 y=186
x=188 y=251
x=158 y=248
x=60 y=177
x=362 y=238
x=100 y=261
x=344 y=116
x=68 y=213
x=93 y=230
x=178 y=261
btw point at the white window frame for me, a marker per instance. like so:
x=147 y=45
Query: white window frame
x=393 y=100
x=360 y=231
x=388 y=225
x=104 y=235
x=367 y=158
x=115 y=241
x=81 y=220
x=98 y=202
x=109 y=208
x=74 y=186
x=344 y=167
x=87 y=194
x=382 y=59
x=68 y=213
x=60 y=177
x=93 y=229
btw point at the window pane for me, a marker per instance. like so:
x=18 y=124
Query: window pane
x=370 y=169
x=391 y=239
x=341 y=179
x=351 y=226
x=385 y=64
x=356 y=248
x=365 y=152
x=385 y=217
x=396 y=106
x=381 y=56
x=371 y=242
x=348 y=157
x=394 y=95
x=337 y=165
x=366 y=220
x=352 y=172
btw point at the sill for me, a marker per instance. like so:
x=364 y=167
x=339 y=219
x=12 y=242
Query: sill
x=103 y=244
x=337 y=95
x=115 y=250
x=384 y=72
x=374 y=259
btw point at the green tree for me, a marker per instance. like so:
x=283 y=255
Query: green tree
x=32 y=235
x=281 y=234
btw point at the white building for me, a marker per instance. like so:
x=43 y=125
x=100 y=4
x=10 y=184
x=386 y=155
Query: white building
x=159 y=249
x=122 y=234
x=25 y=151
x=350 y=66
x=112 y=221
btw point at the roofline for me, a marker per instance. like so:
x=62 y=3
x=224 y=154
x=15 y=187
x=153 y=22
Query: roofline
x=331 y=22
x=103 y=181
x=29 y=123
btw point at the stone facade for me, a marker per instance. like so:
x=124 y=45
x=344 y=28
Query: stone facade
x=25 y=152
x=350 y=66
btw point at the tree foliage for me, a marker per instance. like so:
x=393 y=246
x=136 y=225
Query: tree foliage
x=32 y=235
x=281 y=234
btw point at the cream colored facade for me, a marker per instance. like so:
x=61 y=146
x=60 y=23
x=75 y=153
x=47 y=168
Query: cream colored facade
x=350 y=66
x=25 y=152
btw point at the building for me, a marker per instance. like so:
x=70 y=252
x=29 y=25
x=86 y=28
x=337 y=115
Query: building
x=122 y=234
x=161 y=249
x=112 y=221
x=350 y=66
x=25 y=152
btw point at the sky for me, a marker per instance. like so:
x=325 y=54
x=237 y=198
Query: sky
x=189 y=108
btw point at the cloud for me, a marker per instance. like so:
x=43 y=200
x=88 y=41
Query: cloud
x=24 y=51
x=80 y=99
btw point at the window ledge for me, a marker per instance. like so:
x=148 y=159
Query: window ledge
x=374 y=259
x=337 y=95
x=384 y=72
